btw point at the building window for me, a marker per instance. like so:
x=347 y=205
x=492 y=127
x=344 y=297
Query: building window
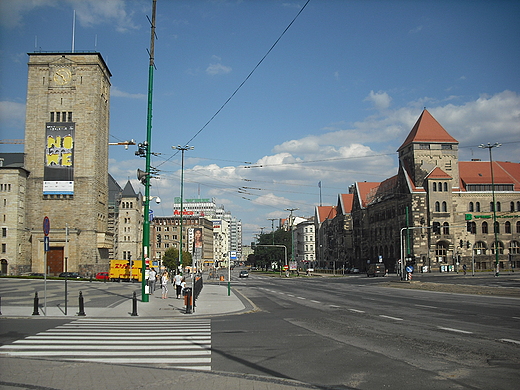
x=518 y=227
x=445 y=228
x=4 y=232
x=446 y=147
x=437 y=207
x=434 y=186
x=440 y=187
x=507 y=227
x=484 y=228
x=500 y=247
x=471 y=207
x=472 y=227
x=480 y=248
x=477 y=207
x=446 y=187
x=496 y=228
x=444 y=207
x=512 y=206
x=514 y=247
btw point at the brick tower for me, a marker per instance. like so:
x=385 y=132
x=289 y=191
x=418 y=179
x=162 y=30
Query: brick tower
x=66 y=148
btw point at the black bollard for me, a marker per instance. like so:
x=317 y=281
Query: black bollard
x=35 y=310
x=0 y=306
x=81 y=312
x=134 y=305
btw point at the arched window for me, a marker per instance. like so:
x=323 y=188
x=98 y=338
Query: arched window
x=445 y=228
x=477 y=207
x=512 y=206
x=480 y=248
x=441 y=251
x=470 y=206
x=445 y=187
x=507 y=227
x=444 y=207
x=517 y=206
x=514 y=247
x=500 y=247
x=472 y=227
x=434 y=186
x=518 y=227
x=499 y=207
x=440 y=187
x=496 y=228
x=484 y=227
x=491 y=208
x=437 y=207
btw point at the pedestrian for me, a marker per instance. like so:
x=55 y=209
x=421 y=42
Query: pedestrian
x=151 y=280
x=177 y=280
x=464 y=268
x=183 y=285
x=164 y=285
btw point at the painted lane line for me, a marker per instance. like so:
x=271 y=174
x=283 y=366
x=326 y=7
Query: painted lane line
x=313 y=301
x=356 y=311
x=391 y=318
x=428 y=307
x=455 y=330
x=509 y=341
x=516 y=318
x=335 y=307
x=301 y=298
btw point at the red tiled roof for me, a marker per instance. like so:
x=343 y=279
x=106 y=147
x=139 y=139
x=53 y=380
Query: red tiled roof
x=479 y=172
x=438 y=173
x=345 y=202
x=325 y=212
x=365 y=189
x=428 y=130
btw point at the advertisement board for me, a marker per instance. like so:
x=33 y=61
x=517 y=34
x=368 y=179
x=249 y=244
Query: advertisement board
x=58 y=174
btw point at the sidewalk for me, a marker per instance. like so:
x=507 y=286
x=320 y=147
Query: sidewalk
x=213 y=300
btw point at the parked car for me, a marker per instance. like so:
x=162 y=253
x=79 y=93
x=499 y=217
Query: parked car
x=102 y=276
x=354 y=270
x=376 y=269
x=243 y=274
x=69 y=275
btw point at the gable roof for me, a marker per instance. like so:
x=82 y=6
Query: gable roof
x=128 y=191
x=438 y=173
x=345 y=203
x=325 y=212
x=365 y=190
x=428 y=130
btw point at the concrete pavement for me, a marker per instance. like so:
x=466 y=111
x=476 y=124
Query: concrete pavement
x=43 y=374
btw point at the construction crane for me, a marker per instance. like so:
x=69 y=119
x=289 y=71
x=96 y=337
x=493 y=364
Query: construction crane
x=12 y=141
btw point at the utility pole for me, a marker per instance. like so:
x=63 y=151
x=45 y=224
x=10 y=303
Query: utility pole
x=272 y=227
x=292 y=235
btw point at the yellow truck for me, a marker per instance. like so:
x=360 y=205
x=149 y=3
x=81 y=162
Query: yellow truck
x=120 y=270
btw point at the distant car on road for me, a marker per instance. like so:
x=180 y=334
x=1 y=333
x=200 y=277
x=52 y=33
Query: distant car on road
x=243 y=274
x=376 y=269
x=354 y=270
x=102 y=276
x=69 y=275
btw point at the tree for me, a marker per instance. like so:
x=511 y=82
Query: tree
x=265 y=255
x=171 y=259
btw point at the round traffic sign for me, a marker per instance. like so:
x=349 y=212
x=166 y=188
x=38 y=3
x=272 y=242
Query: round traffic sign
x=46 y=226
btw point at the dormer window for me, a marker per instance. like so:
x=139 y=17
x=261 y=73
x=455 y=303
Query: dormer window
x=446 y=147
x=424 y=146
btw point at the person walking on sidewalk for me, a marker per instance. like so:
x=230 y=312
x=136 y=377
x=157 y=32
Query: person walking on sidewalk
x=177 y=280
x=164 y=285
x=151 y=280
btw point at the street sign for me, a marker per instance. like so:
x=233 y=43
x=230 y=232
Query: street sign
x=150 y=215
x=409 y=269
x=46 y=226
x=46 y=243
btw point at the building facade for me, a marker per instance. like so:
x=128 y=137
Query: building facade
x=66 y=153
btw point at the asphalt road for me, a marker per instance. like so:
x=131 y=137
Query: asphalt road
x=353 y=333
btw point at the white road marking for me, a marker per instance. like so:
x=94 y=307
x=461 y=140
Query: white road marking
x=509 y=341
x=455 y=330
x=356 y=311
x=391 y=318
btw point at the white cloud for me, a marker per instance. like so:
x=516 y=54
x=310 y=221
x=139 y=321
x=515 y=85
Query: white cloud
x=217 y=68
x=116 y=92
x=88 y=12
x=381 y=100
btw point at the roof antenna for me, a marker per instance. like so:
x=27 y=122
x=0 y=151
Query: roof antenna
x=73 y=29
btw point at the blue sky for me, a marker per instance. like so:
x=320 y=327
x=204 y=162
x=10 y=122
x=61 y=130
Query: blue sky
x=331 y=102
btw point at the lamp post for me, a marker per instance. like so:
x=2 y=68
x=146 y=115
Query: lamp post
x=182 y=149
x=292 y=235
x=495 y=228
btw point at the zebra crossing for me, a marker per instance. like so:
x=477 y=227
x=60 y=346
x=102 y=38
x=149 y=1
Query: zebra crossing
x=173 y=343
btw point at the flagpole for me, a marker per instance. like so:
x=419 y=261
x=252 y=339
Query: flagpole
x=319 y=185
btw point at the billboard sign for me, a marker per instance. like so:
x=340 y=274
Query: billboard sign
x=58 y=174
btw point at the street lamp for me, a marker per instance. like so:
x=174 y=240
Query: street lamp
x=292 y=233
x=182 y=149
x=495 y=228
